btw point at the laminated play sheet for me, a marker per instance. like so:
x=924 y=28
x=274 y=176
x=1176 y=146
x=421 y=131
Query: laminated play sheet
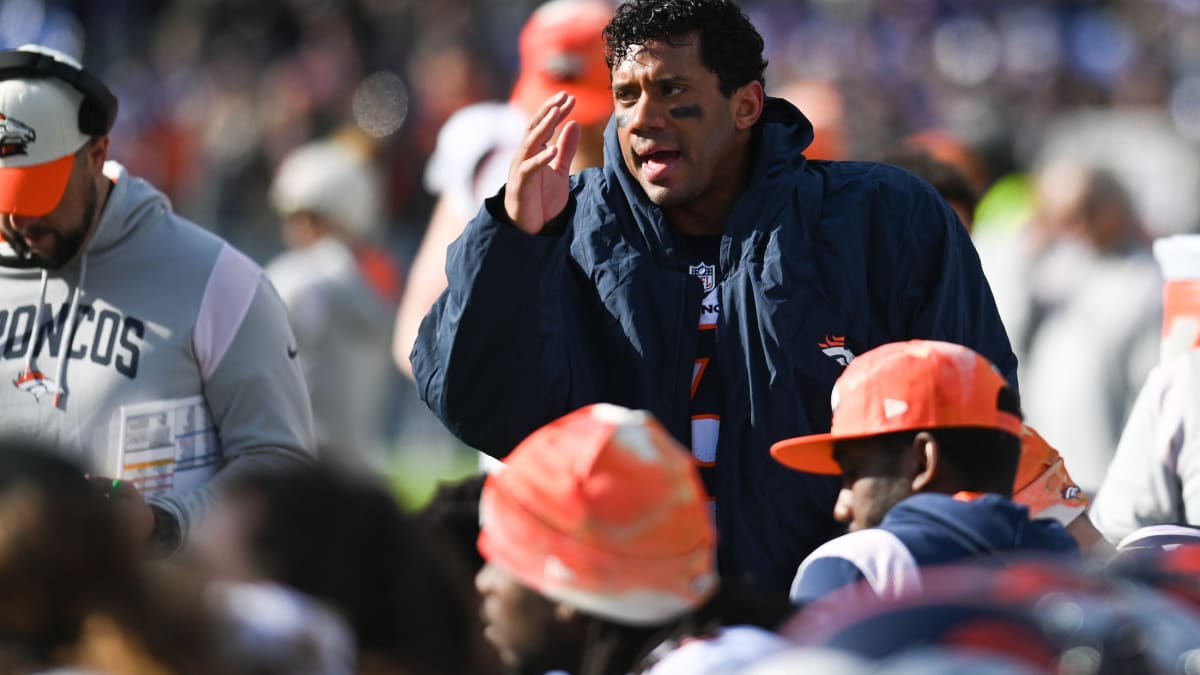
x=167 y=446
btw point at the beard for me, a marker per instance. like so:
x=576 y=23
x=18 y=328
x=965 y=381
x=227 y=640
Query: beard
x=66 y=244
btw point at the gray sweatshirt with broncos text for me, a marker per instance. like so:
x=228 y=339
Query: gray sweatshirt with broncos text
x=181 y=369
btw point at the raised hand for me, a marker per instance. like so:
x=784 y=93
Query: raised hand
x=539 y=177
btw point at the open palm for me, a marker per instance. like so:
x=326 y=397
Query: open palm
x=539 y=177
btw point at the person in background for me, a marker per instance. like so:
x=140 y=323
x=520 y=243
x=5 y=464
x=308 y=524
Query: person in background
x=143 y=345
x=340 y=292
x=1094 y=305
x=561 y=48
x=927 y=438
x=341 y=540
x=75 y=591
x=708 y=273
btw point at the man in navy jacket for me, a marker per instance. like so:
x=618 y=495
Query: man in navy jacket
x=708 y=273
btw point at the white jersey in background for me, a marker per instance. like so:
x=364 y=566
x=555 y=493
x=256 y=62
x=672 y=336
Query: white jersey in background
x=178 y=365
x=474 y=147
x=1154 y=478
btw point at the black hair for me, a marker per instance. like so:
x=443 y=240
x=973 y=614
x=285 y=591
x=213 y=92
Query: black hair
x=730 y=46
x=982 y=459
x=453 y=514
x=344 y=540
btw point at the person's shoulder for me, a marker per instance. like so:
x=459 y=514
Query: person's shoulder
x=327 y=264
x=869 y=175
x=326 y=256
x=888 y=194
x=875 y=555
x=291 y=270
x=208 y=248
x=1175 y=382
x=167 y=240
x=859 y=546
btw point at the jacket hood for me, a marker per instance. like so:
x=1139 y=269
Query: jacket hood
x=131 y=200
x=982 y=525
x=128 y=204
x=779 y=139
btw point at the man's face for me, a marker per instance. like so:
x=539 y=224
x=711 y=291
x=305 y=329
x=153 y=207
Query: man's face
x=521 y=624
x=873 y=481
x=677 y=132
x=55 y=238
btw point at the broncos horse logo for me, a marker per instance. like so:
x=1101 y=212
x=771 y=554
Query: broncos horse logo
x=15 y=136
x=835 y=348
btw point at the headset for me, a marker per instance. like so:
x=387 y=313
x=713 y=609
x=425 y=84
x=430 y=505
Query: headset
x=99 y=109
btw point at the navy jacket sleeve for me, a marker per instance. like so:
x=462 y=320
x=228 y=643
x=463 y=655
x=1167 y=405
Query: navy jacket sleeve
x=490 y=358
x=943 y=294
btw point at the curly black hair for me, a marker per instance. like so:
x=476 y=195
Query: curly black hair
x=730 y=46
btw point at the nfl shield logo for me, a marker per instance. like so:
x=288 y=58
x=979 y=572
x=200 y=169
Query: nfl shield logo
x=707 y=274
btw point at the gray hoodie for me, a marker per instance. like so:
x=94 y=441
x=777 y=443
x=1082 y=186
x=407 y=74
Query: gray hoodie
x=182 y=364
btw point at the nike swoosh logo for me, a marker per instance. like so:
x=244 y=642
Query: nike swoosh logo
x=292 y=352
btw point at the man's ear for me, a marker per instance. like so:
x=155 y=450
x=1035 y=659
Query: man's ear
x=747 y=105
x=924 y=456
x=97 y=152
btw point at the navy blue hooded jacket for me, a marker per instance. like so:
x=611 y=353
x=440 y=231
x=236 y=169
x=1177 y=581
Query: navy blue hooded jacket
x=922 y=531
x=604 y=310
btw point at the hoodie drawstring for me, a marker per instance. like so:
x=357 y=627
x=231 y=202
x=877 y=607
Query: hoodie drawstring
x=61 y=374
x=37 y=322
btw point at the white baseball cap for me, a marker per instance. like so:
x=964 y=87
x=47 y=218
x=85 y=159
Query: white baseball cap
x=330 y=178
x=39 y=136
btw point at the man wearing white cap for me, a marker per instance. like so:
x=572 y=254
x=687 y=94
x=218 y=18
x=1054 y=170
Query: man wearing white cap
x=340 y=291
x=151 y=350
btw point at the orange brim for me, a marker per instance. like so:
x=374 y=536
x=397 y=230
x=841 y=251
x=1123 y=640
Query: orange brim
x=592 y=105
x=34 y=190
x=812 y=454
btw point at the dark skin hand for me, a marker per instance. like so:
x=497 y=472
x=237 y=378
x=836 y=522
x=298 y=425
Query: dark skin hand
x=127 y=499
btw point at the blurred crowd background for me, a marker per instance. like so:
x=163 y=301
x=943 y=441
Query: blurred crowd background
x=214 y=93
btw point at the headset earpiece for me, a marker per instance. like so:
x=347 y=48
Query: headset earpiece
x=97 y=113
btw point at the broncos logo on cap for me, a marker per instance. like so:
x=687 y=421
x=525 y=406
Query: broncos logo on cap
x=15 y=136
